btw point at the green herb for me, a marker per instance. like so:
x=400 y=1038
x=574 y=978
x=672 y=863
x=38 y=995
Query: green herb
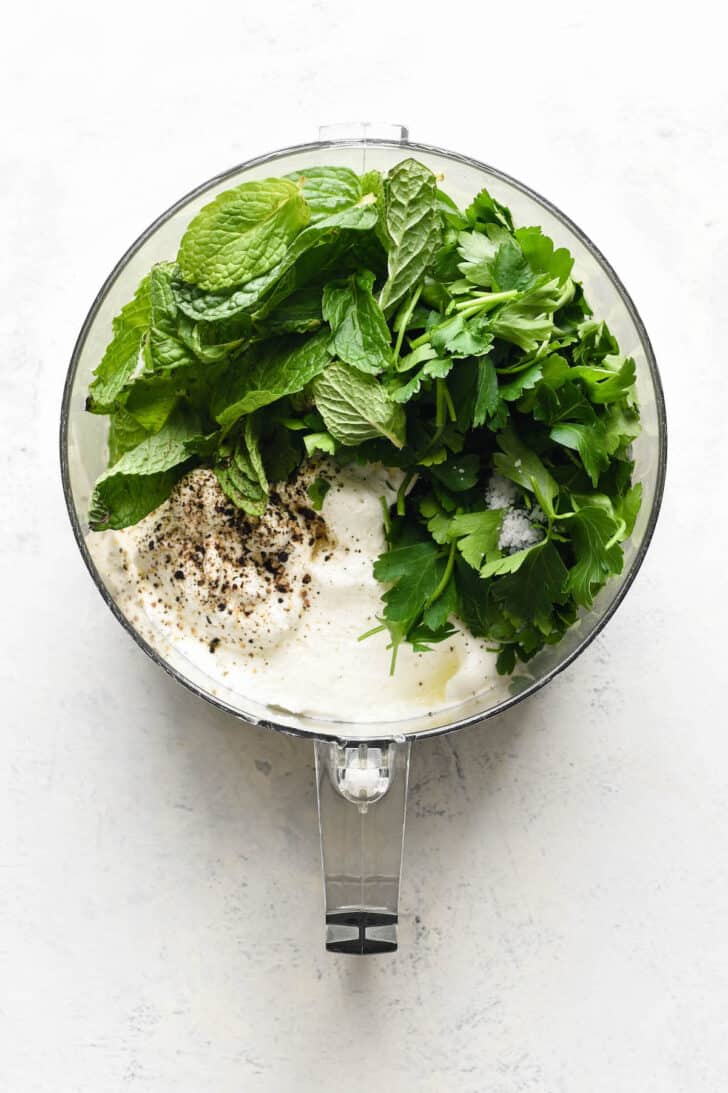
x=356 y=407
x=143 y=476
x=359 y=332
x=121 y=358
x=317 y=491
x=242 y=234
x=369 y=319
x=413 y=226
x=240 y=471
x=266 y=373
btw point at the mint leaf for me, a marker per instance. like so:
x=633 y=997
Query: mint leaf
x=240 y=471
x=318 y=246
x=280 y=452
x=150 y=402
x=328 y=190
x=125 y=433
x=359 y=332
x=121 y=358
x=300 y=313
x=144 y=476
x=166 y=350
x=242 y=234
x=355 y=407
x=414 y=228
x=281 y=366
x=211 y=307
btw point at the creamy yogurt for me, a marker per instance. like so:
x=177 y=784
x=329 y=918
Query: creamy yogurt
x=273 y=609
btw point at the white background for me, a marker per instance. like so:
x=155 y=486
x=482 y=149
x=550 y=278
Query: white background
x=565 y=901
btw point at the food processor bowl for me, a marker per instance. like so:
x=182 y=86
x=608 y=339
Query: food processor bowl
x=362 y=766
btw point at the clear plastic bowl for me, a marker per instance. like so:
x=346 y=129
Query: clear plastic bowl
x=83 y=435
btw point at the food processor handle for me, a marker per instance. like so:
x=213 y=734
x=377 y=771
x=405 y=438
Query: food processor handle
x=362 y=798
x=363 y=131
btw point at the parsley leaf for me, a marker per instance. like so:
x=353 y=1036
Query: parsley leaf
x=476 y=534
x=523 y=466
x=317 y=492
x=531 y=591
x=416 y=572
x=592 y=532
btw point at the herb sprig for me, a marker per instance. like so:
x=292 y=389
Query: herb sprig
x=369 y=320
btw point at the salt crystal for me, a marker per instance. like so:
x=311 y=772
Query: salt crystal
x=520 y=528
x=518 y=532
x=500 y=493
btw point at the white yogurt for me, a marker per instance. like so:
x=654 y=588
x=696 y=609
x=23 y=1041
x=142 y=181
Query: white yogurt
x=274 y=610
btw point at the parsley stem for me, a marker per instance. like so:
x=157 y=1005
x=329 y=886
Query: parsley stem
x=449 y=403
x=442 y=398
x=445 y=580
x=484 y=302
x=402 y=491
x=440 y=403
x=371 y=633
x=422 y=340
x=404 y=317
x=386 y=518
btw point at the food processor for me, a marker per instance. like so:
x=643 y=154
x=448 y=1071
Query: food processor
x=362 y=766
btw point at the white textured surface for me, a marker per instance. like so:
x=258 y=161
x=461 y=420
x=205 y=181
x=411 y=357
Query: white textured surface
x=160 y=916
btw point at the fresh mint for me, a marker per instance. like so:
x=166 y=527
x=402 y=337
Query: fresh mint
x=242 y=234
x=359 y=332
x=414 y=226
x=144 y=475
x=331 y=317
x=356 y=407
